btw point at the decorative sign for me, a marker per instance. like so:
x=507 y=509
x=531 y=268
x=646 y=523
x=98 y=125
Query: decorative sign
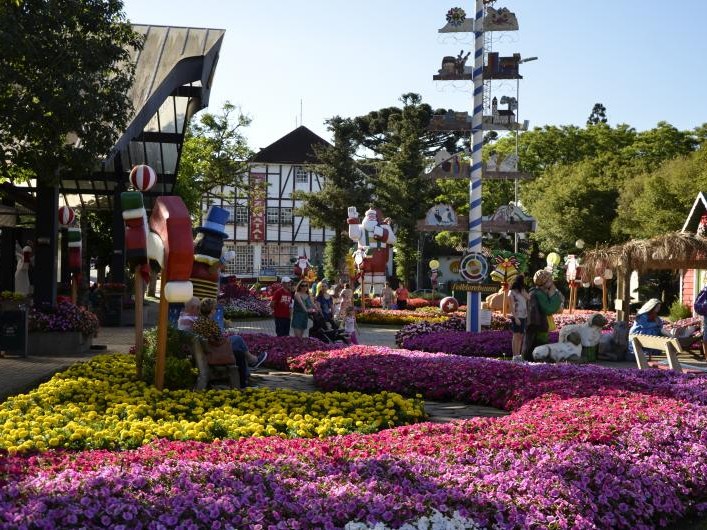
x=503 y=119
x=502 y=67
x=455 y=69
x=500 y=20
x=507 y=266
x=475 y=287
x=441 y=216
x=457 y=22
x=474 y=267
x=508 y=219
x=258 y=182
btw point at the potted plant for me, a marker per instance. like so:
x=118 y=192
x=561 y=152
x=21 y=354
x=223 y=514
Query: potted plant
x=66 y=329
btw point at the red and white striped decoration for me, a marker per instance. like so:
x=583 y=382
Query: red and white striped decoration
x=143 y=177
x=66 y=215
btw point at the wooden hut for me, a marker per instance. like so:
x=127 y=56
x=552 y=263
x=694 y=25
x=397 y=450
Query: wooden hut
x=672 y=251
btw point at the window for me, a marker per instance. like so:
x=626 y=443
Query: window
x=273 y=216
x=301 y=175
x=241 y=215
x=243 y=264
x=274 y=255
x=286 y=216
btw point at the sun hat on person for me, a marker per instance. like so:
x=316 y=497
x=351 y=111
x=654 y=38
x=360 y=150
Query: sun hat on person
x=542 y=277
x=286 y=279
x=649 y=306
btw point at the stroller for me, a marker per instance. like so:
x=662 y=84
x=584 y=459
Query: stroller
x=326 y=330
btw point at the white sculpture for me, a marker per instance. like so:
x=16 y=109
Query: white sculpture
x=590 y=331
x=374 y=237
x=24 y=258
x=571 y=350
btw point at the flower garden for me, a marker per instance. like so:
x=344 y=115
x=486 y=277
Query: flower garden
x=581 y=446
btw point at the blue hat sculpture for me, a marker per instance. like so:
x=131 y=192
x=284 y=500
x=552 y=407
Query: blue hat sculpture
x=215 y=222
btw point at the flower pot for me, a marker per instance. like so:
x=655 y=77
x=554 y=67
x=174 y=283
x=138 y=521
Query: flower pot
x=59 y=343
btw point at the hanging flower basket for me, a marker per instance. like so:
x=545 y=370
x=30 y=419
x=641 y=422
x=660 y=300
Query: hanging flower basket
x=456 y=16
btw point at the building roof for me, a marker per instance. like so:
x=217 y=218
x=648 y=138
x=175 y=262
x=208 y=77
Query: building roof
x=699 y=208
x=296 y=147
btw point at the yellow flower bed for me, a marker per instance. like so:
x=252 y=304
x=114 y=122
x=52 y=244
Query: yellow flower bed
x=99 y=404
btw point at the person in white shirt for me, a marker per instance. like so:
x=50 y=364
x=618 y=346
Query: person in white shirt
x=519 y=296
x=350 y=324
x=189 y=314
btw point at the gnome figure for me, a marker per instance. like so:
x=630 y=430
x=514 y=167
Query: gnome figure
x=208 y=253
x=374 y=238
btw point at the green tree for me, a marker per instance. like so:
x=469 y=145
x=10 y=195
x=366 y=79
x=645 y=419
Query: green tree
x=401 y=189
x=215 y=154
x=64 y=76
x=345 y=184
x=598 y=115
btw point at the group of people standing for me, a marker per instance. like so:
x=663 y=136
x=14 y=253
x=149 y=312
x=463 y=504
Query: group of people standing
x=293 y=309
x=531 y=312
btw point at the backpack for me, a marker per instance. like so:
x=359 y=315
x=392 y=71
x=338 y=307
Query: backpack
x=700 y=305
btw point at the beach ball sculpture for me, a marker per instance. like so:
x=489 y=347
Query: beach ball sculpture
x=143 y=177
x=448 y=304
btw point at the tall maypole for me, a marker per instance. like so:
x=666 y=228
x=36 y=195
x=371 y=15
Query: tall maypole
x=473 y=299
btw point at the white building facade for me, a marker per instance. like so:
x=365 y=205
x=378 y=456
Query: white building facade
x=265 y=232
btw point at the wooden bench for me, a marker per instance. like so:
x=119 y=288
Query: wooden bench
x=671 y=346
x=208 y=373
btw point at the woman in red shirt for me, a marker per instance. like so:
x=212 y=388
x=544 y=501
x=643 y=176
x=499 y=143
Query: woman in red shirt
x=402 y=295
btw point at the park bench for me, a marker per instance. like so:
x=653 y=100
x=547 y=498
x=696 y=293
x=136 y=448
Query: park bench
x=671 y=346
x=209 y=373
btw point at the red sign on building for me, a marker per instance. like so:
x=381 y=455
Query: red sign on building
x=258 y=197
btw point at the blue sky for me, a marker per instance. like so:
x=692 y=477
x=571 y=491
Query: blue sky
x=644 y=60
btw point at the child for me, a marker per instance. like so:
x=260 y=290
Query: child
x=350 y=324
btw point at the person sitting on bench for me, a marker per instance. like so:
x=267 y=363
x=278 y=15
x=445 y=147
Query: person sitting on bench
x=206 y=327
x=189 y=314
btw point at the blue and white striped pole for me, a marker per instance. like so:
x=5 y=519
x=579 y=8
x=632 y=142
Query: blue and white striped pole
x=473 y=300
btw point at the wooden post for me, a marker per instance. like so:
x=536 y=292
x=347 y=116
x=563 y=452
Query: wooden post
x=604 y=301
x=505 y=295
x=363 y=290
x=138 y=321
x=161 y=335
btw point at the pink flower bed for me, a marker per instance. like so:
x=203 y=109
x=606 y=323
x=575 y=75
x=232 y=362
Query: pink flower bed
x=484 y=344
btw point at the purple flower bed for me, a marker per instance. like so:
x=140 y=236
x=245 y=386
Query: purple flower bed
x=64 y=317
x=484 y=344
x=282 y=349
x=423 y=328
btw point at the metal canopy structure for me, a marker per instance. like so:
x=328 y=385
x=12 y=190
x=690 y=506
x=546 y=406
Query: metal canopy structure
x=173 y=77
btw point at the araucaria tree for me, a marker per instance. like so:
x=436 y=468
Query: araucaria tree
x=344 y=185
x=400 y=188
x=65 y=74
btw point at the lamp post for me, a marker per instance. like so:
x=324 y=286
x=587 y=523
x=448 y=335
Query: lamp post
x=515 y=181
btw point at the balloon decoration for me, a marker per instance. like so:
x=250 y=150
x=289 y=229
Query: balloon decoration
x=608 y=274
x=143 y=177
x=66 y=215
x=434 y=264
x=448 y=304
x=553 y=259
x=579 y=244
x=598 y=281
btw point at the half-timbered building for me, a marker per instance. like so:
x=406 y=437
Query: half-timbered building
x=266 y=234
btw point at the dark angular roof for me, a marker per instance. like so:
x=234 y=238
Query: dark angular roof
x=295 y=147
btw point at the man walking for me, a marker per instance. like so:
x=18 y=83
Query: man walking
x=281 y=307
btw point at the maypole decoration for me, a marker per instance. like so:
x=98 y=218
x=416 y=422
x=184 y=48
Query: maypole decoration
x=142 y=178
x=507 y=266
x=67 y=217
x=473 y=300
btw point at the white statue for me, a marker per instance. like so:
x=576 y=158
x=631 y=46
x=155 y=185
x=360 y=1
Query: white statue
x=24 y=259
x=590 y=331
x=560 y=351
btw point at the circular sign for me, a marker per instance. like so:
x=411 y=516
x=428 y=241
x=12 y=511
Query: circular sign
x=474 y=267
x=434 y=264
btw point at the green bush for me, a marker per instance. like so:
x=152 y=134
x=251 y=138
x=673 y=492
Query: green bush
x=179 y=370
x=679 y=311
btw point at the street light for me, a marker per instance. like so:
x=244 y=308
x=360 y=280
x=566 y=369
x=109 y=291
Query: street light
x=517 y=105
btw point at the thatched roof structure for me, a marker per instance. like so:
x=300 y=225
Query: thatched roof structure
x=676 y=250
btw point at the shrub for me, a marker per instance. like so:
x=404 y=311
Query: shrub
x=679 y=311
x=454 y=323
x=179 y=369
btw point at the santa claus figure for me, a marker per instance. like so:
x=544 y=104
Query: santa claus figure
x=374 y=238
x=302 y=267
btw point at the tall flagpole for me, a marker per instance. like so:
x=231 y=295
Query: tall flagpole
x=473 y=300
